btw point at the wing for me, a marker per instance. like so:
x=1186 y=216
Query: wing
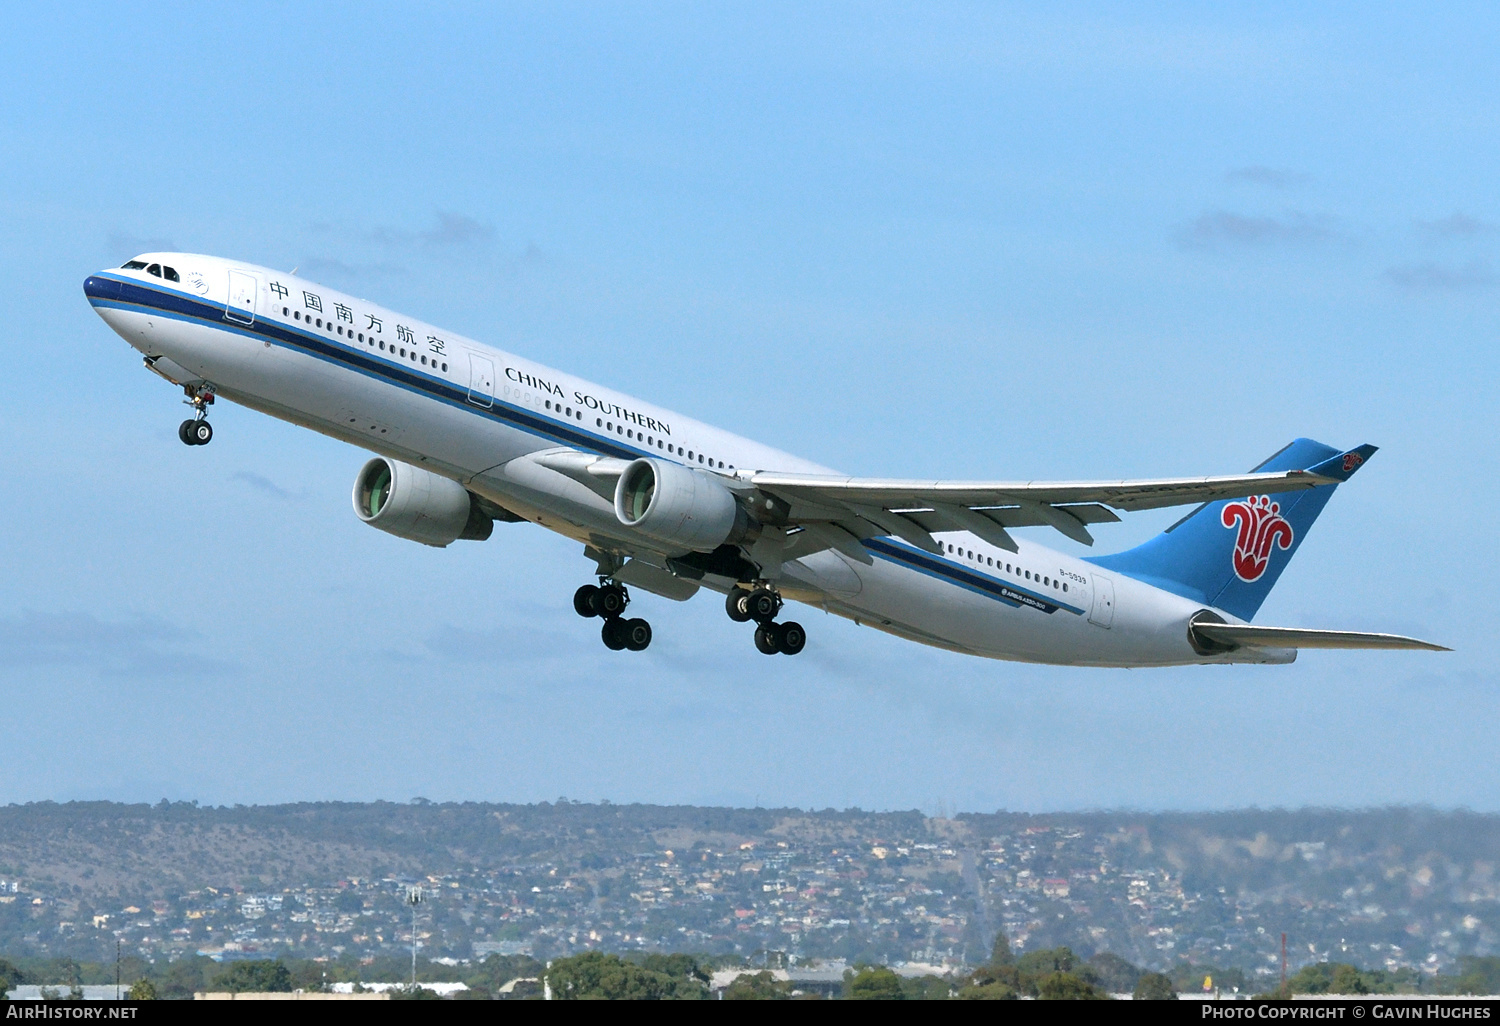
x=913 y=510
x=1235 y=635
x=829 y=511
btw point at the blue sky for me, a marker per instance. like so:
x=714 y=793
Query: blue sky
x=988 y=241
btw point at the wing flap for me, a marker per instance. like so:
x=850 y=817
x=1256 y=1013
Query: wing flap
x=1249 y=636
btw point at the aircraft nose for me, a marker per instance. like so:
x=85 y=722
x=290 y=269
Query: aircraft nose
x=97 y=287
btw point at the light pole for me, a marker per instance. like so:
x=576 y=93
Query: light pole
x=414 y=898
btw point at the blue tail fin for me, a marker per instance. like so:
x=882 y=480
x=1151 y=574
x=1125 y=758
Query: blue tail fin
x=1229 y=553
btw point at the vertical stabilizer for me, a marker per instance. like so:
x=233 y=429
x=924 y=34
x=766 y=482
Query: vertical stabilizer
x=1229 y=553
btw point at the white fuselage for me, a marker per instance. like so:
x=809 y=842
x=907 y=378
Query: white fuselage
x=413 y=392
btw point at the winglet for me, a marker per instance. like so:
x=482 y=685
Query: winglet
x=1343 y=466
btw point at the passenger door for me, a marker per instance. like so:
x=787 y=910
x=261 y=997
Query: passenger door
x=481 y=381
x=1103 y=613
x=240 y=306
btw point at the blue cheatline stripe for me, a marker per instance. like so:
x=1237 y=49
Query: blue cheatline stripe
x=955 y=573
x=164 y=302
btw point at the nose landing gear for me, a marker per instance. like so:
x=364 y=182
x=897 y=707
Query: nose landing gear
x=761 y=604
x=197 y=431
x=608 y=600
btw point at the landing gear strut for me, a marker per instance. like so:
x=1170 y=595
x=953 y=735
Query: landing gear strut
x=608 y=600
x=761 y=604
x=197 y=431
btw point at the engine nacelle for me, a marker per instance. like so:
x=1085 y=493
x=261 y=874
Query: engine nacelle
x=682 y=509
x=417 y=504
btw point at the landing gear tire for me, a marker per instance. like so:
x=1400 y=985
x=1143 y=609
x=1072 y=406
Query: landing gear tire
x=637 y=634
x=621 y=634
x=790 y=637
x=735 y=606
x=762 y=605
x=610 y=601
x=199 y=432
x=765 y=639
x=182 y=432
x=584 y=601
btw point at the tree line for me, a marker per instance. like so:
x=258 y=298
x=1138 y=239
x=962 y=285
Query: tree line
x=1050 y=974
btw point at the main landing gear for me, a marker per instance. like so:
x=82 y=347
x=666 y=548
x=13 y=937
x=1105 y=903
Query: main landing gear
x=608 y=600
x=197 y=431
x=761 y=604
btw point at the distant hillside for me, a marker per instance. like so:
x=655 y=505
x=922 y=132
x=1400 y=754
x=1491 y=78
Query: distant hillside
x=98 y=849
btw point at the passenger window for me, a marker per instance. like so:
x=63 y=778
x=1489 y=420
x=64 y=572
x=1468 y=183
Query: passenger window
x=170 y=274
x=1065 y=585
x=133 y=265
x=154 y=269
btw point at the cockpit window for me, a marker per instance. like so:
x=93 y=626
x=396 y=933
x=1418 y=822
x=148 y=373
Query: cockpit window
x=134 y=265
x=154 y=269
x=170 y=274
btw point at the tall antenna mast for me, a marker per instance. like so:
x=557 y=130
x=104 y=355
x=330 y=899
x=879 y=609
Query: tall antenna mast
x=414 y=898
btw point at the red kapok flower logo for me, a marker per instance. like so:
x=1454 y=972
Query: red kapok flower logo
x=1261 y=526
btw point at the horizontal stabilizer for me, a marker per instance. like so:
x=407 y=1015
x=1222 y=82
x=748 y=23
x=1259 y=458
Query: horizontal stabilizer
x=1235 y=635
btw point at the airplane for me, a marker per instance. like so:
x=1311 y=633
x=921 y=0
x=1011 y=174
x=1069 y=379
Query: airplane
x=465 y=435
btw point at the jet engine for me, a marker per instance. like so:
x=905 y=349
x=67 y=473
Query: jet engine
x=417 y=504
x=682 y=509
